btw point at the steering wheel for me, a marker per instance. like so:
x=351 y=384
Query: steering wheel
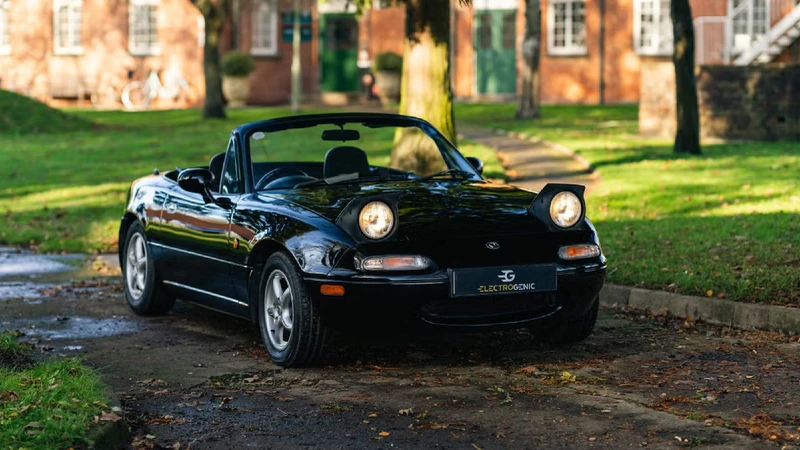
x=274 y=174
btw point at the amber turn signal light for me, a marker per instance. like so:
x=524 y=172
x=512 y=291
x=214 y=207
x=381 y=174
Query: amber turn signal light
x=331 y=289
x=581 y=251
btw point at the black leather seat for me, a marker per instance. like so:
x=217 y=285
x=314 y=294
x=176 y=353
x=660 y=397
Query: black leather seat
x=215 y=166
x=345 y=160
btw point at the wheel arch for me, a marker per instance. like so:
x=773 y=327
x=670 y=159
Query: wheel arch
x=127 y=220
x=258 y=257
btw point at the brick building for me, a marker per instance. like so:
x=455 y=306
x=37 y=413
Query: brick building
x=592 y=50
x=65 y=49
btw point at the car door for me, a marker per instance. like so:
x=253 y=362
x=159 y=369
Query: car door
x=197 y=236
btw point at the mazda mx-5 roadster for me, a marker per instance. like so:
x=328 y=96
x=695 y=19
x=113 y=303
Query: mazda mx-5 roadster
x=306 y=222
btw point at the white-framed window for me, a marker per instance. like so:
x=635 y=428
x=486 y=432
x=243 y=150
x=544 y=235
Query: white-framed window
x=566 y=33
x=749 y=22
x=143 y=27
x=652 y=27
x=5 y=39
x=265 y=28
x=67 y=15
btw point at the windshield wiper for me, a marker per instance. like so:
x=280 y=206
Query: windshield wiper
x=463 y=173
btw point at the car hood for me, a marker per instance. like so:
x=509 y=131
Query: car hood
x=432 y=209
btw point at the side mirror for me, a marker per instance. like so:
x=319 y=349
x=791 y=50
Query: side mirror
x=196 y=180
x=199 y=181
x=476 y=163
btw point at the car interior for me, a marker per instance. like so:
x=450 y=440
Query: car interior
x=341 y=160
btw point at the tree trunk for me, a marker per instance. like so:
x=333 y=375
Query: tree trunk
x=687 y=138
x=297 y=75
x=214 y=13
x=425 y=88
x=529 y=100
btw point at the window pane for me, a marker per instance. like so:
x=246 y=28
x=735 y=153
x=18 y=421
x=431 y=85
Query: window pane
x=578 y=25
x=485 y=31
x=3 y=27
x=263 y=32
x=62 y=22
x=559 y=24
x=144 y=32
x=509 y=30
x=75 y=26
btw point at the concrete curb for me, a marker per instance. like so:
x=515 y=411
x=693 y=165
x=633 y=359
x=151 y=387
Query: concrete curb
x=746 y=316
x=110 y=435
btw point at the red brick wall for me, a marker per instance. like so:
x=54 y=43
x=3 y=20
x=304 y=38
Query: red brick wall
x=382 y=30
x=271 y=82
x=463 y=61
x=32 y=64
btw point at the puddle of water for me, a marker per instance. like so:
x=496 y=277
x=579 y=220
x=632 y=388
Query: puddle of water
x=72 y=327
x=20 y=264
x=21 y=289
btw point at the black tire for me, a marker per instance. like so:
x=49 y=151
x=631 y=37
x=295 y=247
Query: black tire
x=308 y=331
x=145 y=295
x=568 y=331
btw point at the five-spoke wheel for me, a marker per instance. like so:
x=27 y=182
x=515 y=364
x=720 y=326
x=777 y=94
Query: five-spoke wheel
x=136 y=267
x=143 y=289
x=291 y=326
x=279 y=311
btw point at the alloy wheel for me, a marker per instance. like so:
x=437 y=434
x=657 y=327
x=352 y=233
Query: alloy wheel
x=278 y=310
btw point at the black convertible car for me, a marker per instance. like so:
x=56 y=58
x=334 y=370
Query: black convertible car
x=304 y=222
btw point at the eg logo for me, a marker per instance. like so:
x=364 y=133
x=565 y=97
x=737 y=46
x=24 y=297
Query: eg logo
x=506 y=276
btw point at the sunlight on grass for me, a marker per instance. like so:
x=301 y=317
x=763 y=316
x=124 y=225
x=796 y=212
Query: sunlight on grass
x=66 y=190
x=723 y=223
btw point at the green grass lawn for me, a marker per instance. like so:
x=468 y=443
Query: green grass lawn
x=723 y=224
x=63 y=189
x=47 y=405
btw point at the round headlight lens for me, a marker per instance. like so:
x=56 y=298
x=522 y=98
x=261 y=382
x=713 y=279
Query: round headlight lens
x=376 y=220
x=565 y=209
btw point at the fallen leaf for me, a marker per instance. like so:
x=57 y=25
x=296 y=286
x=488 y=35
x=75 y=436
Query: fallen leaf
x=109 y=417
x=373 y=415
x=384 y=433
x=528 y=370
x=406 y=412
x=567 y=377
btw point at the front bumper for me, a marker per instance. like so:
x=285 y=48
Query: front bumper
x=384 y=297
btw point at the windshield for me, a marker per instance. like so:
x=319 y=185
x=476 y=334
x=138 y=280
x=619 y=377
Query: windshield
x=353 y=152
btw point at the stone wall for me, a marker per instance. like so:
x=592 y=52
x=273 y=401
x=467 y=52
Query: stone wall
x=752 y=103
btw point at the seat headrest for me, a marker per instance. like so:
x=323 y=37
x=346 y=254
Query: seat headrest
x=215 y=166
x=344 y=160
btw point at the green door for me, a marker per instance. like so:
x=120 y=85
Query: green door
x=339 y=52
x=495 y=37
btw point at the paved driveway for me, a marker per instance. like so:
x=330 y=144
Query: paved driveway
x=203 y=380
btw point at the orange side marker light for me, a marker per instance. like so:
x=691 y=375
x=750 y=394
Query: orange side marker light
x=331 y=289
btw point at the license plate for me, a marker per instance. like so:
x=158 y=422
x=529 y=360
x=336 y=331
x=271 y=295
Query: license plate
x=503 y=280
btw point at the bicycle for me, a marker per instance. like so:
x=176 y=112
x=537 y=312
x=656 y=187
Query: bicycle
x=139 y=95
x=107 y=92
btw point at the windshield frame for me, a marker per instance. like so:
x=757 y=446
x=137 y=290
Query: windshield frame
x=450 y=154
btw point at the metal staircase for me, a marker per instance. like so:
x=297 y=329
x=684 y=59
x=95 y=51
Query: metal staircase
x=777 y=39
